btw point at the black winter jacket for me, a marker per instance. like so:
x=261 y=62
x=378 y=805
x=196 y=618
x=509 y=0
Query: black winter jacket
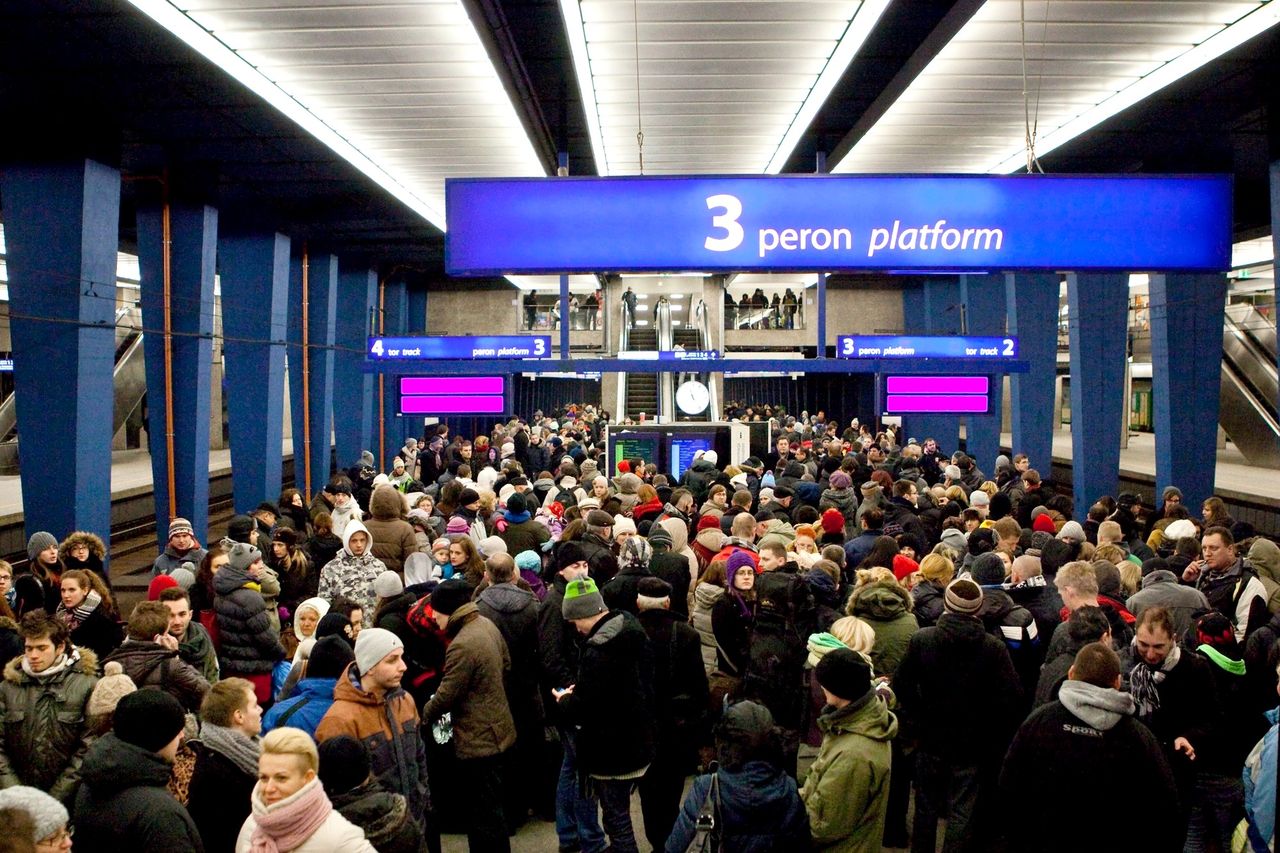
x=123 y=803
x=218 y=801
x=957 y=664
x=680 y=689
x=515 y=613
x=247 y=643
x=620 y=593
x=601 y=563
x=611 y=702
x=383 y=815
x=99 y=632
x=558 y=644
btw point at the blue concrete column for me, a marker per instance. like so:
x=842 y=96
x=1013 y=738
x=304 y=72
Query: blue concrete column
x=1186 y=356
x=942 y=317
x=321 y=306
x=1032 y=305
x=1098 y=307
x=416 y=324
x=984 y=302
x=255 y=321
x=352 y=387
x=395 y=314
x=194 y=243
x=61 y=225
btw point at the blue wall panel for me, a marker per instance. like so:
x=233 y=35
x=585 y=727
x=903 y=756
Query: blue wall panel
x=1032 y=305
x=984 y=302
x=352 y=387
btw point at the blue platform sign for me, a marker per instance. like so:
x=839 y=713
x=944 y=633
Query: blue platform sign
x=828 y=223
x=480 y=348
x=926 y=346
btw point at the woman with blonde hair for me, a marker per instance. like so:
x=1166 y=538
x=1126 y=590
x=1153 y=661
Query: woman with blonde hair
x=847 y=632
x=936 y=571
x=289 y=808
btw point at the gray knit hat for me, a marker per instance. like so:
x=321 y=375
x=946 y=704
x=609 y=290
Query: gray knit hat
x=388 y=584
x=242 y=555
x=47 y=814
x=40 y=541
x=372 y=645
x=582 y=600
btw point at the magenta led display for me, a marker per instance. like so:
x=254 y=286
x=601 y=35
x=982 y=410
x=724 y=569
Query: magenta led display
x=453 y=395
x=937 y=394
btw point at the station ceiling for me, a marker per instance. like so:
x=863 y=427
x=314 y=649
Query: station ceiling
x=337 y=121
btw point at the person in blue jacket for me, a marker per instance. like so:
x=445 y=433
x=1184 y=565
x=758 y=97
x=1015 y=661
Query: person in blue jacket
x=314 y=693
x=760 y=809
x=1260 y=790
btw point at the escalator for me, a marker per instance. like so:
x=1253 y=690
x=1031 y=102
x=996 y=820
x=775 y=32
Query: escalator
x=642 y=388
x=129 y=379
x=1249 y=385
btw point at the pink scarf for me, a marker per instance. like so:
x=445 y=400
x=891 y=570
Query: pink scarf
x=287 y=824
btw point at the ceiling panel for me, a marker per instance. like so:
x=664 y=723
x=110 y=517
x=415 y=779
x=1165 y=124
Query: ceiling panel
x=771 y=61
x=382 y=77
x=1084 y=61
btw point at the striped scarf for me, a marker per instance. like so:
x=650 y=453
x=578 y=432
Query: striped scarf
x=1145 y=681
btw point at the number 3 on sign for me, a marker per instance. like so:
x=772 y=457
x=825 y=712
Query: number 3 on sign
x=728 y=221
x=539 y=346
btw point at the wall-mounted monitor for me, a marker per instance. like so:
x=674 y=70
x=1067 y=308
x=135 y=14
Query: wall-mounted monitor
x=683 y=446
x=453 y=395
x=624 y=444
x=958 y=395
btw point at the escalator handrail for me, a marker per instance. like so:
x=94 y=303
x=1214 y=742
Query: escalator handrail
x=665 y=339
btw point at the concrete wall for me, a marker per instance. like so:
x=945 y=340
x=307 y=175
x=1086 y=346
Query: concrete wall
x=489 y=310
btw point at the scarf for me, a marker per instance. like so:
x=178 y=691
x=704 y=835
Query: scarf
x=242 y=750
x=76 y=616
x=63 y=662
x=516 y=517
x=290 y=822
x=1145 y=681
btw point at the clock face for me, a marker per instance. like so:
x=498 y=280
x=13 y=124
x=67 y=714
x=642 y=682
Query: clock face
x=693 y=397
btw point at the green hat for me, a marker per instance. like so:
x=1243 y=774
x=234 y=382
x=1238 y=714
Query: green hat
x=582 y=600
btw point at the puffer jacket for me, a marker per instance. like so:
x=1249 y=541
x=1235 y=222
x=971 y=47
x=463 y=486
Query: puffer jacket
x=124 y=803
x=887 y=609
x=389 y=726
x=475 y=666
x=698 y=479
x=705 y=597
x=150 y=664
x=247 y=643
x=928 y=603
x=760 y=811
x=44 y=738
x=351 y=576
x=382 y=815
x=392 y=536
x=847 y=790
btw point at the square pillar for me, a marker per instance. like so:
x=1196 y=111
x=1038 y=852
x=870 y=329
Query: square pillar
x=984 y=301
x=1032 y=305
x=352 y=387
x=395 y=315
x=1186 y=357
x=312 y=417
x=193 y=252
x=62 y=225
x=1098 y=306
x=255 y=320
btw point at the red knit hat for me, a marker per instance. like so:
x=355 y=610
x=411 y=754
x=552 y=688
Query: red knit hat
x=904 y=566
x=832 y=521
x=1044 y=524
x=624 y=467
x=158 y=585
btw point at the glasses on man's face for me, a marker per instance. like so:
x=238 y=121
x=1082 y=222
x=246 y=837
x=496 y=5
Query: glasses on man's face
x=58 y=839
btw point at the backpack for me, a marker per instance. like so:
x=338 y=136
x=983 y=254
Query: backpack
x=566 y=498
x=785 y=617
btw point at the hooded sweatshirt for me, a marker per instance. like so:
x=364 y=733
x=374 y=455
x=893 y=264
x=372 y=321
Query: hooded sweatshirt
x=344 y=515
x=1265 y=557
x=352 y=576
x=680 y=544
x=886 y=607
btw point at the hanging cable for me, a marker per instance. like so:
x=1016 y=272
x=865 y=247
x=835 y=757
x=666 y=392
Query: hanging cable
x=1030 y=119
x=635 y=17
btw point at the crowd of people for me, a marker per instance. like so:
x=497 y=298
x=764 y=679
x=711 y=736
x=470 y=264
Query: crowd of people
x=511 y=627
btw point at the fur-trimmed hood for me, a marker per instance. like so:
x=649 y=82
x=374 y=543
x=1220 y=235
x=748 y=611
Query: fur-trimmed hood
x=82 y=537
x=86 y=664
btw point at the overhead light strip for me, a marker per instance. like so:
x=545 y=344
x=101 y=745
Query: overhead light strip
x=176 y=22
x=1230 y=37
x=855 y=35
x=571 y=11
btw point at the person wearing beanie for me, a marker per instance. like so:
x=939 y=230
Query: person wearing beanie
x=36 y=585
x=181 y=547
x=1075 y=741
x=351 y=574
x=248 y=647
x=597 y=542
x=841 y=497
x=529 y=565
x=518 y=528
x=370 y=705
x=957 y=663
x=37 y=746
x=472 y=691
x=832 y=527
x=113 y=686
x=48 y=817
x=313 y=694
x=123 y=802
x=847 y=791
x=1008 y=621
x=364 y=801
x=956 y=540
x=981 y=502
x=733 y=615
x=1071 y=532
x=609 y=702
x=1044 y=522
x=158 y=585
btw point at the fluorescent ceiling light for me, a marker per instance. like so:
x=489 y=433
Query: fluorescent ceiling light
x=864 y=20
x=572 y=13
x=1252 y=24
x=248 y=54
